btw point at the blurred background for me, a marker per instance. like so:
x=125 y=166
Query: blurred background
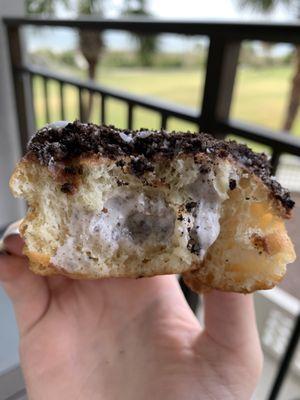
x=49 y=73
x=169 y=67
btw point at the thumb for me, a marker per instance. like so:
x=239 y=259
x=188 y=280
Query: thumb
x=231 y=324
x=230 y=319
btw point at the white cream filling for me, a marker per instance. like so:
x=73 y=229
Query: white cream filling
x=134 y=218
x=209 y=191
x=131 y=221
x=205 y=227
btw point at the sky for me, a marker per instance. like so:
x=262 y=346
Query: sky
x=207 y=9
x=217 y=10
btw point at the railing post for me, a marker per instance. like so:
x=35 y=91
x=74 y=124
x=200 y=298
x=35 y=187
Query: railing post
x=22 y=86
x=286 y=360
x=192 y=298
x=221 y=68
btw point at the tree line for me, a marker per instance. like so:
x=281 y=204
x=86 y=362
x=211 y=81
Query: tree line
x=90 y=43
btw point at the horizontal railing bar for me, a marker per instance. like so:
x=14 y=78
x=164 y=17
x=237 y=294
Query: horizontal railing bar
x=157 y=105
x=278 y=141
x=233 y=30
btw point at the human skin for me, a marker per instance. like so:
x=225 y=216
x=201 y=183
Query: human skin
x=129 y=339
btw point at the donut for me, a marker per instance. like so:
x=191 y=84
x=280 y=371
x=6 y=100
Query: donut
x=107 y=202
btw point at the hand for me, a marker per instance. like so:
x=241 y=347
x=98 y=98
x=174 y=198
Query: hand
x=129 y=339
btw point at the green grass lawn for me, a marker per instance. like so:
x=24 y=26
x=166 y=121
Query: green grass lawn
x=260 y=96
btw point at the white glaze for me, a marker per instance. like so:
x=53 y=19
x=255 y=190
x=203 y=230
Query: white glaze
x=57 y=124
x=143 y=134
x=126 y=138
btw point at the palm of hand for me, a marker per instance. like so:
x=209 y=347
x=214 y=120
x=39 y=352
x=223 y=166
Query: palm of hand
x=128 y=339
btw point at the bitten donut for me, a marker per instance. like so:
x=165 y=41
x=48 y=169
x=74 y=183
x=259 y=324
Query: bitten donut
x=105 y=202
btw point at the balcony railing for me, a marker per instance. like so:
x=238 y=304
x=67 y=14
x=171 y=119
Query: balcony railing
x=213 y=116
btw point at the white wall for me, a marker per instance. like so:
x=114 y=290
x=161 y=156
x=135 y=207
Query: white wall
x=10 y=209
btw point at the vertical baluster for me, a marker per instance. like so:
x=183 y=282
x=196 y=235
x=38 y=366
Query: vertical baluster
x=275 y=161
x=103 y=109
x=192 y=298
x=46 y=99
x=163 y=122
x=21 y=94
x=286 y=360
x=62 y=102
x=130 y=116
x=80 y=101
x=31 y=77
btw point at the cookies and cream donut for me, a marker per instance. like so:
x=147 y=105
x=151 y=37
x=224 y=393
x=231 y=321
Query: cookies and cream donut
x=105 y=202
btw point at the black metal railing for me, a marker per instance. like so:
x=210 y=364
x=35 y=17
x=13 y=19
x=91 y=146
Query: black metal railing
x=213 y=115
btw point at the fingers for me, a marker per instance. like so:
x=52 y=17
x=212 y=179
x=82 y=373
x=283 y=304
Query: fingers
x=230 y=319
x=27 y=291
x=12 y=265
